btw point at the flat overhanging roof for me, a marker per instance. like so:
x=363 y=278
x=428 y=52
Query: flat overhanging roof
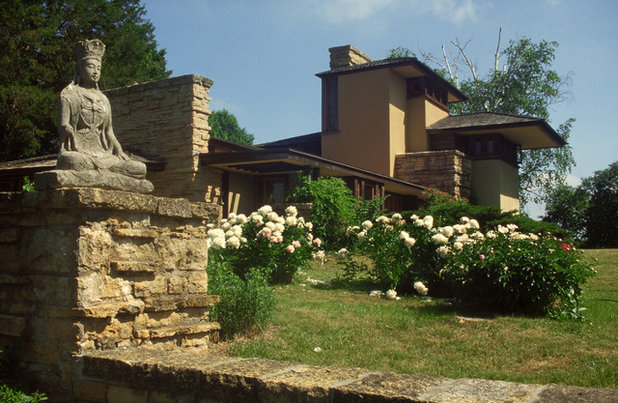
x=528 y=133
x=407 y=67
x=287 y=160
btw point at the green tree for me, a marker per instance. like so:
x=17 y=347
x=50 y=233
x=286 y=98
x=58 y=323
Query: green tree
x=225 y=126
x=602 y=212
x=36 y=61
x=567 y=206
x=520 y=82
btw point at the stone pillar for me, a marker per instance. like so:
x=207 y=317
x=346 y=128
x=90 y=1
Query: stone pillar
x=448 y=170
x=92 y=269
x=168 y=119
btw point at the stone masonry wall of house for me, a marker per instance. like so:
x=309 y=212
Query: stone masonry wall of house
x=449 y=170
x=168 y=119
x=88 y=269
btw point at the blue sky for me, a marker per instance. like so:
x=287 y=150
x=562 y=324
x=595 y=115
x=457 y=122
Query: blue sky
x=263 y=55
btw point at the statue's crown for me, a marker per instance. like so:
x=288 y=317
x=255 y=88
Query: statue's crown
x=90 y=48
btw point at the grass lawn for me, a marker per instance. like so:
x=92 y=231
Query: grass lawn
x=420 y=336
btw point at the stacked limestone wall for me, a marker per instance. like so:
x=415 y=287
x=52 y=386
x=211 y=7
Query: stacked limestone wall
x=449 y=170
x=168 y=119
x=90 y=269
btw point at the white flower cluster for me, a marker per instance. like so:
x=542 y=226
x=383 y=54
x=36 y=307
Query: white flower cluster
x=421 y=288
x=229 y=234
x=426 y=221
x=409 y=241
x=457 y=236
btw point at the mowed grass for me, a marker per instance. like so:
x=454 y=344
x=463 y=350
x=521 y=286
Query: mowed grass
x=431 y=337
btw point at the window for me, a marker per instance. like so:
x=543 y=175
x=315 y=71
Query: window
x=330 y=95
x=271 y=189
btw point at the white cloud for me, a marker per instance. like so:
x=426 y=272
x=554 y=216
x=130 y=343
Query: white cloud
x=340 y=11
x=337 y=11
x=457 y=11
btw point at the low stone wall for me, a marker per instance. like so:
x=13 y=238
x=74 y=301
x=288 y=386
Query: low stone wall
x=142 y=376
x=448 y=170
x=91 y=269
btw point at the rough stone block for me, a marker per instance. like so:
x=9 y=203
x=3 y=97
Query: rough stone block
x=150 y=288
x=197 y=283
x=125 y=394
x=133 y=267
x=12 y=325
x=89 y=390
x=176 y=284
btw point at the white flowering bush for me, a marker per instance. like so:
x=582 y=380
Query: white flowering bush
x=513 y=271
x=395 y=246
x=502 y=268
x=277 y=245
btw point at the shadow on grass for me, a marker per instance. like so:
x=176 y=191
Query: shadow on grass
x=438 y=307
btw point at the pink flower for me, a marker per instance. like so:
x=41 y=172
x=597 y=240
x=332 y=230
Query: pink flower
x=317 y=242
x=482 y=257
x=296 y=244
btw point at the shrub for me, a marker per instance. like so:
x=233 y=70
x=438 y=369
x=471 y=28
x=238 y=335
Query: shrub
x=245 y=304
x=520 y=272
x=528 y=225
x=12 y=385
x=278 y=245
x=447 y=209
x=246 y=254
x=400 y=251
x=333 y=207
x=505 y=269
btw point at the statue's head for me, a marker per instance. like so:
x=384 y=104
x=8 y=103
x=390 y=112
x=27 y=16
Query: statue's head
x=88 y=56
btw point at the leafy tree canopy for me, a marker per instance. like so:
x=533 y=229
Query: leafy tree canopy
x=225 y=126
x=590 y=210
x=567 y=206
x=602 y=212
x=520 y=82
x=37 y=39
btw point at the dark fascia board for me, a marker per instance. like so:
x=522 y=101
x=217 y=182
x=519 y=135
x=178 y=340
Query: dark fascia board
x=288 y=140
x=304 y=158
x=540 y=123
x=232 y=144
x=389 y=63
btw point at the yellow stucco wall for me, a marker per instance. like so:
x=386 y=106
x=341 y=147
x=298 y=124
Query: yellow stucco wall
x=241 y=194
x=433 y=113
x=397 y=118
x=363 y=122
x=495 y=183
x=421 y=113
x=416 y=135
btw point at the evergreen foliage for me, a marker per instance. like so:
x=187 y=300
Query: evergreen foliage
x=590 y=210
x=36 y=61
x=225 y=126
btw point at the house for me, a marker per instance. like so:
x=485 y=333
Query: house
x=386 y=130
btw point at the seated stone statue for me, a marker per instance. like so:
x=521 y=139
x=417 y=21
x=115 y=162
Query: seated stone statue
x=90 y=154
x=85 y=120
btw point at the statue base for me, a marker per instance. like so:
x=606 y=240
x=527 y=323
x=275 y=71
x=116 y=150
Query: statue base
x=92 y=178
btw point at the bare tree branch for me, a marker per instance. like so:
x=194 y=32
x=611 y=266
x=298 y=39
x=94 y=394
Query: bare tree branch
x=448 y=65
x=462 y=52
x=498 y=53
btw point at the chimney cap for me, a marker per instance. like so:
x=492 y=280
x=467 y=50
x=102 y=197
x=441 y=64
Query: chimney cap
x=347 y=56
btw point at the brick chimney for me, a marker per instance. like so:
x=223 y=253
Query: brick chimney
x=347 y=56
